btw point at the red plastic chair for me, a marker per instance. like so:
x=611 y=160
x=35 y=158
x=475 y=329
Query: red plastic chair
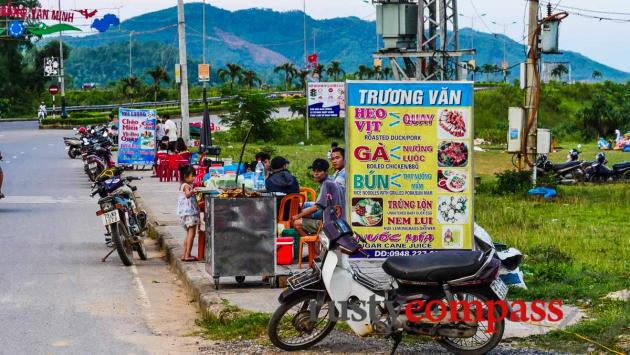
x=159 y=157
x=186 y=155
x=201 y=172
x=173 y=167
x=294 y=201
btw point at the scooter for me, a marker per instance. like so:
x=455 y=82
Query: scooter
x=73 y=146
x=315 y=298
x=569 y=172
x=599 y=172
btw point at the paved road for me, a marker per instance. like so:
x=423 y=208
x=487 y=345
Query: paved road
x=55 y=294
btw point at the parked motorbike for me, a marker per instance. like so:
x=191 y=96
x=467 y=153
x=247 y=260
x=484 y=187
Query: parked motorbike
x=120 y=215
x=566 y=173
x=599 y=172
x=305 y=315
x=96 y=154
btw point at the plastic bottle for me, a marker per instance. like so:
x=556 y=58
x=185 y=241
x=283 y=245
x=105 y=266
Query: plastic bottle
x=259 y=178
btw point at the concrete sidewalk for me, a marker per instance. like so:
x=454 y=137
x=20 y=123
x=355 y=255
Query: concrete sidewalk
x=159 y=199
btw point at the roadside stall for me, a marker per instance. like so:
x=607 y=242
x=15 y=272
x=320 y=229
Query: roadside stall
x=242 y=234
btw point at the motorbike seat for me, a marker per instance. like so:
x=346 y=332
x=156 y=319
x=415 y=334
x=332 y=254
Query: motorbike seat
x=621 y=166
x=434 y=267
x=567 y=165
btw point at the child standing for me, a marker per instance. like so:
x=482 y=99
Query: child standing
x=188 y=210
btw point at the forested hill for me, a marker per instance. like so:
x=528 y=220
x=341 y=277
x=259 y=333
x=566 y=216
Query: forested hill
x=261 y=39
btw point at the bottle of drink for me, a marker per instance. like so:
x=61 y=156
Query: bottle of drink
x=259 y=178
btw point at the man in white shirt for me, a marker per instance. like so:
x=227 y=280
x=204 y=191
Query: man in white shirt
x=170 y=129
x=337 y=158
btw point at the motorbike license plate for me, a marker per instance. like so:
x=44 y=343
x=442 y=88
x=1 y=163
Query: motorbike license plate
x=110 y=217
x=92 y=165
x=499 y=288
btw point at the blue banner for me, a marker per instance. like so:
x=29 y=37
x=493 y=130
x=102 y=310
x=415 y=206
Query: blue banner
x=422 y=94
x=136 y=132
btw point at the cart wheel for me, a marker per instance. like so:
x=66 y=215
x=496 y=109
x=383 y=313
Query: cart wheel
x=216 y=283
x=240 y=279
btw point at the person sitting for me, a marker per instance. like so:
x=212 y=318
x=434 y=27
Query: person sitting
x=281 y=179
x=303 y=221
x=180 y=146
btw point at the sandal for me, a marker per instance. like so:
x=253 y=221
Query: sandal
x=2 y=195
x=190 y=259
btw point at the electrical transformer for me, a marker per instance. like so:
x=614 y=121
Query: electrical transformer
x=397 y=22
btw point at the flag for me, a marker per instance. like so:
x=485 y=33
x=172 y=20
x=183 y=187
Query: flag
x=312 y=58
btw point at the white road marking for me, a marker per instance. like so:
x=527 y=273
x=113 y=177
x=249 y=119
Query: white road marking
x=14 y=157
x=34 y=148
x=143 y=298
x=21 y=152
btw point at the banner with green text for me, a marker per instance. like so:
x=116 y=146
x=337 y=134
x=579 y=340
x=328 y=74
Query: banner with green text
x=410 y=176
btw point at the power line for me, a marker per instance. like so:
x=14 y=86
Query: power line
x=594 y=11
x=472 y=3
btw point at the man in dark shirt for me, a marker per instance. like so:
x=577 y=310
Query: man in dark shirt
x=281 y=179
x=303 y=221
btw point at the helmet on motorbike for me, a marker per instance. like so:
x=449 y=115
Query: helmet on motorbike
x=82 y=130
x=600 y=157
x=574 y=155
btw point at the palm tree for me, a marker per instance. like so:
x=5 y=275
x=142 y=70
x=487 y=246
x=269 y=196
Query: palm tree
x=334 y=70
x=378 y=72
x=130 y=87
x=487 y=69
x=320 y=70
x=559 y=70
x=301 y=76
x=387 y=72
x=233 y=72
x=597 y=75
x=363 y=72
x=250 y=78
x=158 y=74
x=289 y=73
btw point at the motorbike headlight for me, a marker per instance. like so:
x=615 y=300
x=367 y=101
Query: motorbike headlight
x=324 y=240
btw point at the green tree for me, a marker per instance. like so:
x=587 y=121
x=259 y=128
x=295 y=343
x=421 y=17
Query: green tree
x=387 y=73
x=250 y=110
x=334 y=70
x=233 y=72
x=363 y=72
x=302 y=76
x=289 y=73
x=297 y=108
x=250 y=78
x=487 y=69
x=377 y=72
x=559 y=71
x=597 y=75
x=130 y=87
x=320 y=70
x=157 y=75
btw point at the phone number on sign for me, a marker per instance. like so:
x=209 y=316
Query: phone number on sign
x=388 y=253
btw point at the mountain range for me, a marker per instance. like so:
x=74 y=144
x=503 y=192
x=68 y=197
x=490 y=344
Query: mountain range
x=261 y=39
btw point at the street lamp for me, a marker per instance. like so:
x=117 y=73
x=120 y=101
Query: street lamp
x=472 y=35
x=504 y=65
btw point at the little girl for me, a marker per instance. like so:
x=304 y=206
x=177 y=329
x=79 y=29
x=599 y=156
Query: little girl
x=188 y=210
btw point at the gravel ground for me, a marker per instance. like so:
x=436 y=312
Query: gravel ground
x=344 y=343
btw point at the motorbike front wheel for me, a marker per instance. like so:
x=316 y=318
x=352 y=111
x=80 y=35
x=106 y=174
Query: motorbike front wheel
x=141 y=250
x=482 y=342
x=123 y=244
x=291 y=327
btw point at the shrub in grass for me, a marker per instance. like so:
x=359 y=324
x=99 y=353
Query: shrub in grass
x=512 y=181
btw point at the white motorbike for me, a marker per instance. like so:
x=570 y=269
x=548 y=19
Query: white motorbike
x=341 y=290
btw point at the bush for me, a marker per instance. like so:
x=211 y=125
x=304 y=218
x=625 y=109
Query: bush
x=74 y=121
x=512 y=181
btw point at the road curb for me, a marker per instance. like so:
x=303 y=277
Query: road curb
x=196 y=284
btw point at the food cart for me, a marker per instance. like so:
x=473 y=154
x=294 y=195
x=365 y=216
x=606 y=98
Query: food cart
x=241 y=237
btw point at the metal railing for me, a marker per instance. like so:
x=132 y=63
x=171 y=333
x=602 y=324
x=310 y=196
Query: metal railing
x=160 y=103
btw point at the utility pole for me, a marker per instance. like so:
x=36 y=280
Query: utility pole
x=308 y=131
x=472 y=39
x=183 y=62
x=532 y=87
x=62 y=80
x=206 y=112
x=130 y=54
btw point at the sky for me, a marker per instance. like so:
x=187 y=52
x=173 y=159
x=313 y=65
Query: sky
x=605 y=41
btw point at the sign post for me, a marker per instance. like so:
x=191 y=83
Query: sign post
x=53 y=90
x=203 y=72
x=410 y=176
